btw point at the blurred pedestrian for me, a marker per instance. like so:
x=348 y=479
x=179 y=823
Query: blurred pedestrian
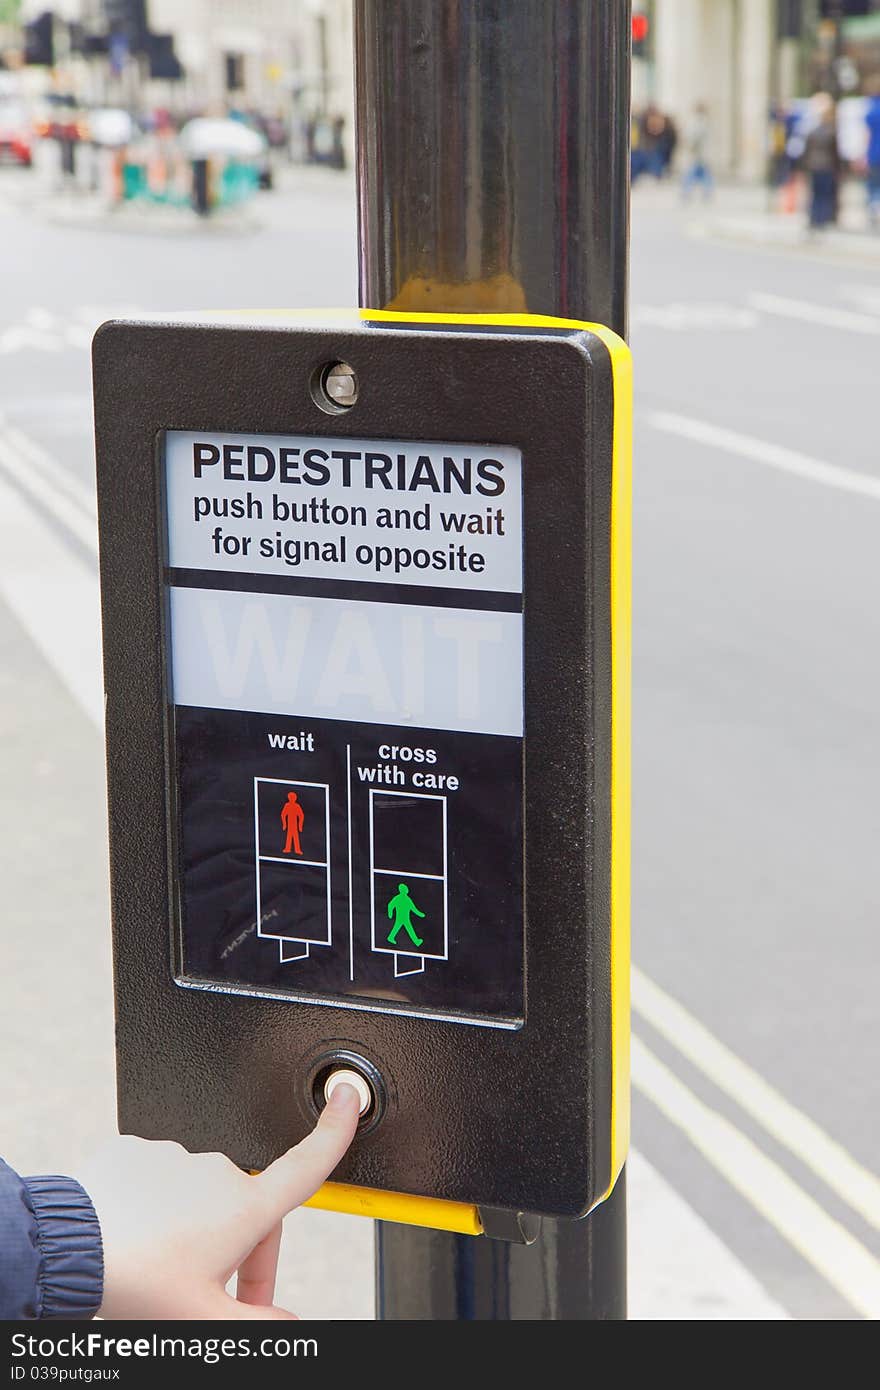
x=698 y=172
x=872 y=157
x=822 y=162
x=779 y=164
x=652 y=126
x=636 y=153
x=666 y=144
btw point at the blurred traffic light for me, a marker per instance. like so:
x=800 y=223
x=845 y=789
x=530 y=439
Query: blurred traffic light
x=640 y=28
x=164 y=63
x=845 y=9
x=127 y=21
x=790 y=19
x=39 y=41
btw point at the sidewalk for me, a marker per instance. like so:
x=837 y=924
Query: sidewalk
x=745 y=214
x=296 y=186
x=751 y=215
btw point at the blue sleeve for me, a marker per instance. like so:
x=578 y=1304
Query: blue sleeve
x=19 y=1257
x=51 y=1258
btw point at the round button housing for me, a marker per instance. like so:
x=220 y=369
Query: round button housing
x=352 y=1078
x=341 y=1063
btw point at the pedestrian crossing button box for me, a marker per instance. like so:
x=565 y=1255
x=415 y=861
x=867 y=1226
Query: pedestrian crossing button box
x=365 y=589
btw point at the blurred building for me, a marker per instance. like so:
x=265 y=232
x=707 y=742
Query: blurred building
x=717 y=52
x=263 y=54
x=740 y=57
x=283 y=58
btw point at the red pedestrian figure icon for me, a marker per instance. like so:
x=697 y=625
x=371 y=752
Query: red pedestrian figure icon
x=292 y=818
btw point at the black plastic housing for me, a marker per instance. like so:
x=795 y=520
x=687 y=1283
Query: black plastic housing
x=516 y=1118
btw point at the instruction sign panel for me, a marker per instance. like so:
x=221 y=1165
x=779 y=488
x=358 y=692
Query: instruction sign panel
x=346 y=669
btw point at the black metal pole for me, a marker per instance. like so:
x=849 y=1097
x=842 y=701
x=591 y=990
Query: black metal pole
x=493 y=176
x=574 y=1272
x=493 y=156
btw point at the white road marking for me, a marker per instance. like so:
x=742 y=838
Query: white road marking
x=828 y=1159
x=680 y=1271
x=83 y=497
x=685 y=316
x=823 y=314
x=48 y=496
x=42 y=319
x=55 y=598
x=824 y=1243
x=16 y=339
x=866 y=296
x=42 y=330
x=78 y=335
x=773 y=455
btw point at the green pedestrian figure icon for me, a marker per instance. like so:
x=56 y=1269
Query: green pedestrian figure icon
x=401 y=908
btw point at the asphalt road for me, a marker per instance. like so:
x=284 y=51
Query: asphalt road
x=756 y=728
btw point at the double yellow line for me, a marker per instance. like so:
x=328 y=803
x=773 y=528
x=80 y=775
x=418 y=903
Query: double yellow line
x=832 y=1251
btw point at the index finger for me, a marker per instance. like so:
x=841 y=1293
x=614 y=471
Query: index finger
x=297 y=1175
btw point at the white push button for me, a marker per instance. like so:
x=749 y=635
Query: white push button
x=354 y=1078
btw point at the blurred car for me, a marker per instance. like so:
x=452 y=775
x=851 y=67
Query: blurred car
x=15 y=135
x=58 y=118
